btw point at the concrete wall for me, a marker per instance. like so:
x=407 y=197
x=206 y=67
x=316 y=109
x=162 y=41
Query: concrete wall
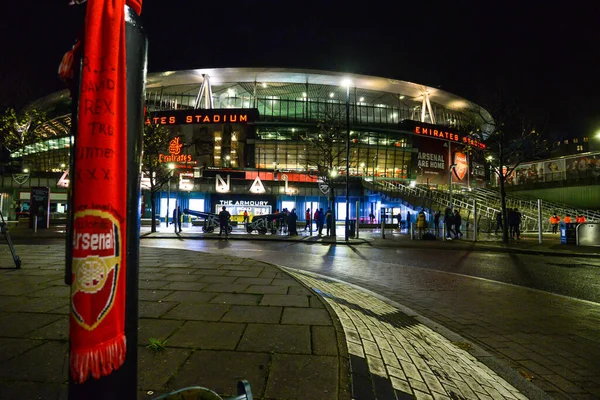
x=586 y=197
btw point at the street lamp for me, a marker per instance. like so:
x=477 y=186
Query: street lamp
x=347 y=83
x=450 y=183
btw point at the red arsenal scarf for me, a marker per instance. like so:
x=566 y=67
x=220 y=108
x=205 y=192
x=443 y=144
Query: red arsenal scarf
x=98 y=343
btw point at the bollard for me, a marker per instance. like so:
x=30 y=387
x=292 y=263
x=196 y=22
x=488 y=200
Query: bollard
x=383 y=223
x=35 y=223
x=539 y=206
x=475 y=224
x=357 y=217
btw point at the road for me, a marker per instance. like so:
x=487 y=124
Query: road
x=573 y=277
x=540 y=314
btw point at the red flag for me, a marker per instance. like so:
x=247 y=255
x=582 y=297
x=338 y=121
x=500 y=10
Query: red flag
x=97 y=322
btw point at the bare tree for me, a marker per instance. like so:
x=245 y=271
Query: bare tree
x=326 y=155
x=512 y=139
x=156 y=141
x=19 y=129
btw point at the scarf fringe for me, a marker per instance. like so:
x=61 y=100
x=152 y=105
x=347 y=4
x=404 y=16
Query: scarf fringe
x=98 y=361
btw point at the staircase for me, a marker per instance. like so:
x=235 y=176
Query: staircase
x=487 y=201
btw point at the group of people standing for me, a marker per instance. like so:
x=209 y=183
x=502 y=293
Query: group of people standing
x=321 y=218
x=452 y=222
x=513 y=219
x=288 y=223
x=555 y=220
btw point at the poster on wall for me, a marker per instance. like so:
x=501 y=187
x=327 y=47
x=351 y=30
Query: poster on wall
x=39 y=207
x=431 y=161
x=460 y=172
x=528 y=173
x=583 y=167
x=477 y=173
x=554 y=170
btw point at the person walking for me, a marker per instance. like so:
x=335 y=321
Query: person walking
x=316 y=217
x=292 y=219
x=246 y=217
x=329 y=220
x=457 y=222
x=567 y=219
x=421 y=222
x=284 y=224
x=436 y=222
x=499 y=226
x=448 y=222
x=224 y=217
x=554 y=220
x=177 y=219
x=510 y=220
x=517 y=219
x=408 y=221
x=308 y=222
x=371 y=217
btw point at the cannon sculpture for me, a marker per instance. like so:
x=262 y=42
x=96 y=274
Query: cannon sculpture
x=264 y=223
x=211 y=221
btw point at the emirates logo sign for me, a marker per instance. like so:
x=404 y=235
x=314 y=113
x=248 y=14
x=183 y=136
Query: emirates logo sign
x=460 y=159
x=96 y=261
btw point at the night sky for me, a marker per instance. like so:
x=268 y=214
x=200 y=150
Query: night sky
x=544 y=53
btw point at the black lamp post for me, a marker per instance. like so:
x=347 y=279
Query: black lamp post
x=347 y=224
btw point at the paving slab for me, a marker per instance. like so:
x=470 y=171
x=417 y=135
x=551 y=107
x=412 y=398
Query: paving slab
x=237 y=298
x=156 y=368
x=286 y=300
x=256 y=314
x=303 y=377
x=221 y=370
x=155 y=328
x=45 y=363
x=310 y=316
x=200 y=312
x=276 y=338
x=208 y=335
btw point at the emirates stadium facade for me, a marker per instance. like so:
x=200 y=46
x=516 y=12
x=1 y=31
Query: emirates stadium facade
x=238 y=140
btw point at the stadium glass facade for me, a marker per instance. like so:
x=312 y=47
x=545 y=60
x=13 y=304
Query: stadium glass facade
x=244 y=123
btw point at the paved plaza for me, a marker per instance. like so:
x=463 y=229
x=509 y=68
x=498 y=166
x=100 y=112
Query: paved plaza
x=292 y=334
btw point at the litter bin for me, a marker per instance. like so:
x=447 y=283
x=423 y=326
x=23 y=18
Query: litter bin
x=351 y=228
x=568 y=233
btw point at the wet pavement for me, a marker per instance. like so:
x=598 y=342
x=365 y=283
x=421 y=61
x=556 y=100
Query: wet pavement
x=548 y=340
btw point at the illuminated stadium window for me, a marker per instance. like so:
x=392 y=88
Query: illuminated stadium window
x=579 y=148
x=585 y=139
x=575 y=140
x=567 y=141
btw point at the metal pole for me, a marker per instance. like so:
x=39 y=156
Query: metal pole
x=382 y=223
x=475 y=227
x=347 y=161
x=539 y=204
x=450 y=186
x=122 y=382
x=168 y=199
x=357 y=216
